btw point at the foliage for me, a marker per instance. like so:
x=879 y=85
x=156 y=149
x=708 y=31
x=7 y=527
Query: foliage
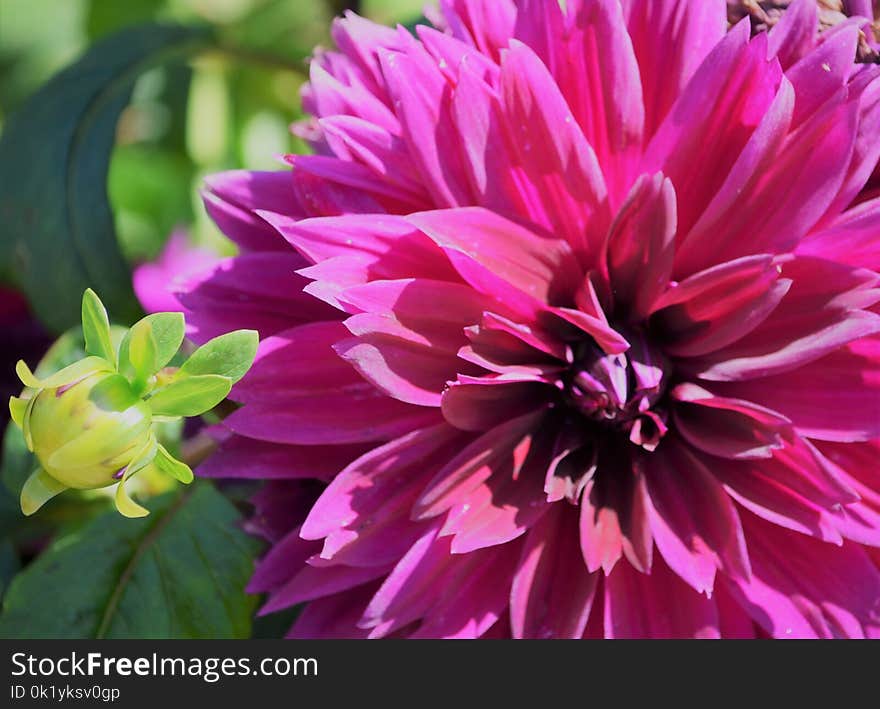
x=99 y=164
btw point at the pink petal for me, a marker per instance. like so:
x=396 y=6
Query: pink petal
x=333 y=617
x=693 y=147
x=551 y=147
x=503 y=259
x=422 y=98
x=380 y=486
x=850 y=239
x=795 y=33
x=240 y=457
x=819 y=314
x=725 y=427
x=671 y=38
x=282 y=561
x=232 y=199
x=480 y=404
x=258 y=291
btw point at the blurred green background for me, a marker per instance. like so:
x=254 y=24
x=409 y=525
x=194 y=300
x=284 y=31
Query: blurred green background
x=77 y=569
x=185 y=121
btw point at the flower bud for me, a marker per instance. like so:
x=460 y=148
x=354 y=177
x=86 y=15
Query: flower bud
x=90 y=425
x=82 y=436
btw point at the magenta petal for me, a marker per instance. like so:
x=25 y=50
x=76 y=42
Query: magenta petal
x=156 y=283
x=476 y=603
x=481 y=245
x=819 y=75
x=423 y=99
x=641 y=243
x=506 y=505
x=343 y=417
x=836 y=398
x=760 y=492
x=820 y=313
x=694 y=523
x=670 y=38
x=694 y=149
x=551 y=147
x=600 y=70
x=724 y=427
x=282 y=562
x=475 y=464
x=240 y=457
x=804 y=588
x=552 y=591
x=794 y=34
x=312 y=582
x=333 y=617
x=399 y=469
x=258 y=291
x=656 y=605
x=850 y=239
x=233 y=198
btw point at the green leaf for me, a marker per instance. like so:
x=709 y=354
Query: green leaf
x=9 y=564
x=17 y=461
x=191 y=396
x=113 y=393
x=140 y=354
x=230 y=355
x=58 y=236
x=177 y=469
x=96 y=327
x=178 y=573
x=150 y=344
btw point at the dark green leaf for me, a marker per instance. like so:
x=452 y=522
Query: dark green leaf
x=179 y=573
x=9 y=564
x=58 y=236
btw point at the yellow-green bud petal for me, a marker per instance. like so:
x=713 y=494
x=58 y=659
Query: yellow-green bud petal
x=85 y=433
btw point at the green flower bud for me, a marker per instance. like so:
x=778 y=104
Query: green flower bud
x=83 y=439
x=91 y=424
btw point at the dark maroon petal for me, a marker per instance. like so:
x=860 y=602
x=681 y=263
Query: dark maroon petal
x=480 y=404
x=724 y=427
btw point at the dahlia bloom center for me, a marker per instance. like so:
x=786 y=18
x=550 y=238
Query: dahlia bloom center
x=619 y=392
x=584 y=337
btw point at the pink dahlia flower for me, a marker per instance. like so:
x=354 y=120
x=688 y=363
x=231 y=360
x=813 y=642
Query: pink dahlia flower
x=569 y=328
